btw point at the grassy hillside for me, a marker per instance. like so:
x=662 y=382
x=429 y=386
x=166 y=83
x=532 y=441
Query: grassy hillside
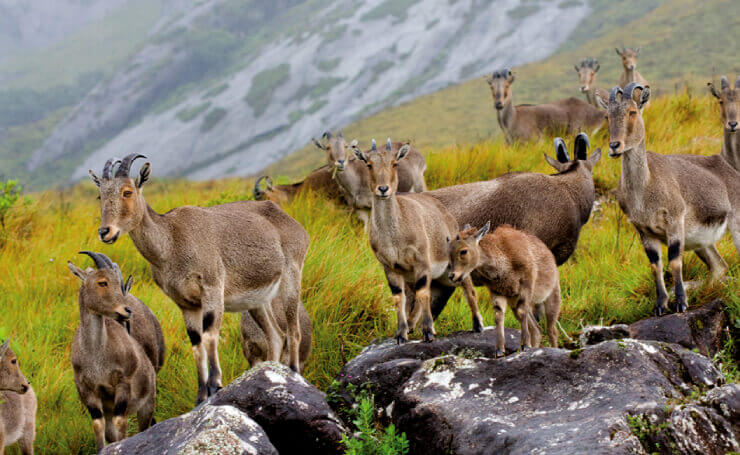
x=607 y=279
x=682 y=43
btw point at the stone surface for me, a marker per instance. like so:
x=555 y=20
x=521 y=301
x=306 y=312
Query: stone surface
x=292 y=412
x=593 y=334
x=540 y=401
x=206 y=430
x=699 y=328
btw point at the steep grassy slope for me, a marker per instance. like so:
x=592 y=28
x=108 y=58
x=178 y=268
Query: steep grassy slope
x=607 y=280
x=682 y=43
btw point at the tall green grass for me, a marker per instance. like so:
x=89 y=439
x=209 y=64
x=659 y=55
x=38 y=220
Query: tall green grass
x=607 y=279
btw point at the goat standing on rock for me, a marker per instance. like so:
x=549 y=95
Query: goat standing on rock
x=233 y=257
x=17 y=405
x=685 y=202
x=517 y=268
x=116 y=353
x=408 y=234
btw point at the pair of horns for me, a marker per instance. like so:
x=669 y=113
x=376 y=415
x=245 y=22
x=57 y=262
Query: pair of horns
x=725 y=84
x=626 y=93
x=103 y=262
x=589 y=62
x=580 y=148
x=123 y=169
x=326 y=136
x=504 y=73
x=374 y=146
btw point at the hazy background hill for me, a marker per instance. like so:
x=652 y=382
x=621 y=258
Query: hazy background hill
x=216 y=88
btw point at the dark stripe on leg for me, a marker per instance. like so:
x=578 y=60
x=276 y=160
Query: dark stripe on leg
x=95 y=413
x=194 y=337
x=208 y=321
x=653 y=256
x=120 y=408
x=420 y=283
x=674 y=251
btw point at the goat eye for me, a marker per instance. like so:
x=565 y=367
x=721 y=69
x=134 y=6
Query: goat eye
x=463 y=252
x=103 y=284
x=14 y=361
x=127 y=193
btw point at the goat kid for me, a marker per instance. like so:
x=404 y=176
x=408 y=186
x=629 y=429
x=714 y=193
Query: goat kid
x=518 y=269
x=18 y=405
x=319 y=180
x=116 y=353
x=729 y=103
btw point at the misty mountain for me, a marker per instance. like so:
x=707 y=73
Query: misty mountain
x=226 y=87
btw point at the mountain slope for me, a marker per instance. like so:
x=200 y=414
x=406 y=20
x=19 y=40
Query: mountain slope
x=683 y=42
x=212 y=97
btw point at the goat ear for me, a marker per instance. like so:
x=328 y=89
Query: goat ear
x=359 y=154
x=143 y=174
x=482 y=231
x=619 y=53
x=318 y=144
x=595 y=157
x=596 y=70
x=576 y=67
x=712 y=90
x=128 y=284
x=600 y=100
x=557 y=165
x=403 y=151
x=644 y=97
x=76 y=271
x=95 y=178
x=637 y=50
x=510 y=77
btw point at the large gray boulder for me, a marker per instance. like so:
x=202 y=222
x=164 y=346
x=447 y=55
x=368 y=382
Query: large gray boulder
x=206 y=430
x=544 y=400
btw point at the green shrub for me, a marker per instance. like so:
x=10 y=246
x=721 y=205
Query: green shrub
x=373 y=439
x=10 y=193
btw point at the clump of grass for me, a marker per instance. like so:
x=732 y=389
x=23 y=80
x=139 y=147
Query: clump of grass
x=371 y=439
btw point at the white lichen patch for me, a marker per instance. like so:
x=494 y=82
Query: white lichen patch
x=275 y=378
x=512 y=400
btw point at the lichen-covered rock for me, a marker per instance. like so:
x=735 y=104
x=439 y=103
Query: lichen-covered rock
x=593 y=334
x=222 y=430
x=700 y=328
x=540 y=401
x=292 y=412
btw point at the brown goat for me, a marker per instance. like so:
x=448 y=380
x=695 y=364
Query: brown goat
x=587 y=80
x=526 y=122
x=629 y=65
x=518 y=269
x=319 y=180
x=116 y=353
x=352 y=175
x=18 y=405
x=232 y=257
x=685 y=202
x=552 y=207
x=729 y=103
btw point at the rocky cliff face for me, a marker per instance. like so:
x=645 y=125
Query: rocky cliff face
x=226 y=88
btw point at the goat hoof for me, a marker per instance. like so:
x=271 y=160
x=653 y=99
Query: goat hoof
x=428 y=336
x=681 y=307
x=294 y=368
x=212 y=389
x=658 y=311
x=499 y=353
x=477 y=325
x=400 y=340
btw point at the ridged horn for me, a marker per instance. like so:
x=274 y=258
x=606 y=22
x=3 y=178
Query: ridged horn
x=374 y=146
x=125 y=167
x=388 y=144
x=561 y=152
x=109 y=167
x=581 y=146
x=737 y=83
x=629 y=88
x=613 y=94
x=4 y=347
x=101 y=261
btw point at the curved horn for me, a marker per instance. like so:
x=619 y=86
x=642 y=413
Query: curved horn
x=257 y=191
x=629 y=88
x=613 y=94
x=737 y=83
x=101 y=261
x=340 y=135
x=109 y=167
x=581 y=146
x=374 y=146
x=388 y=144
x=561 y=151
x=4 y=347
x=125 y=167
x=724 y=83
x=120 y=277
x=327 y=135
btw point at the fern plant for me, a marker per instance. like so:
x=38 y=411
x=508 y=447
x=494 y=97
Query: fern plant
x=371 y=439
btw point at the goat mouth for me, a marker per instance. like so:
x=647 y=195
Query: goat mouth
x=123 y=317
x=24 y=389
x=112 y=239
x=731 y=129
x=615 y=154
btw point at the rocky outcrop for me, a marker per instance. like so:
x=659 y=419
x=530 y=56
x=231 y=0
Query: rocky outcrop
x=268 y=410
x=544 y=400
x=206 y=430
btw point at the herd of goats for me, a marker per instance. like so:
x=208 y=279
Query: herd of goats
x=508 y=234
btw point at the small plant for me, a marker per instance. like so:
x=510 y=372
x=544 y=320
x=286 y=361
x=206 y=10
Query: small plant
x=10 y=193
x=372 y=439
x=725 y=359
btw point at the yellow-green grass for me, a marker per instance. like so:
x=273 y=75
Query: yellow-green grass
x=607 y=279
x=683 y=42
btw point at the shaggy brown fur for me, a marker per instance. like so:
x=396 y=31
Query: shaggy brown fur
x=17 y=404
x=518 y=269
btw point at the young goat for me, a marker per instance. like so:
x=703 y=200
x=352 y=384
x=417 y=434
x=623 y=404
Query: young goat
x=232 y=257
x=729 y=102
x=408 y=234
x=518 y=269
x=587 y=79
x=554 y=208
x=629 y=65
x=525 y=122
x=352 y=175
x=319 y=180
x=683 y=201
x=18 y=406
x=116 y=353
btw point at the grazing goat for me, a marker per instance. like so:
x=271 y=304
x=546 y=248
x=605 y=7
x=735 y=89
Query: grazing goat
x=231 y=257
x=518 y=269
x=352 y=175
x=683 y=201
x=587 y=79
x=552 y=207
x=408 y=234
x=319 y=180
x=18 y=406
x=629 y=64
x=116 y=353
x=729 y=102
x=525 y=122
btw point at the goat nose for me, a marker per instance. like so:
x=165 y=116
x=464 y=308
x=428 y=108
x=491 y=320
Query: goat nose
x=128 y=310
x=452 y=277
x=103 y=231
x=733 y=125
x=340 y=161
x=383 y=189
x=614 y=145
